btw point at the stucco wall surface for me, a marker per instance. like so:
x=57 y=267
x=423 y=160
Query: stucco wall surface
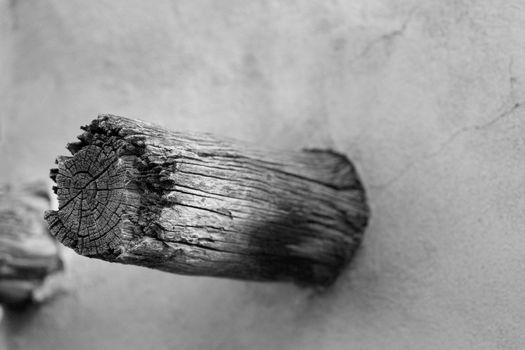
x=425 y=96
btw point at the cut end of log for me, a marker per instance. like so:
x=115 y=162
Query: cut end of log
x=95 y=196
x=193 y=204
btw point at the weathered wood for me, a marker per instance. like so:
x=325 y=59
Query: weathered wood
x=194 y=204
x=28 y=253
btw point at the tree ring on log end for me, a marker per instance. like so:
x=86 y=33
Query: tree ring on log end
x=91 y=195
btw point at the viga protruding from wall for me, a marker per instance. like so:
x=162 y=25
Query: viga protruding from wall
x=195 y=204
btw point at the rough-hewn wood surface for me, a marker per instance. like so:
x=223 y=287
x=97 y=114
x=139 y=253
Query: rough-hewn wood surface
x=194 y=204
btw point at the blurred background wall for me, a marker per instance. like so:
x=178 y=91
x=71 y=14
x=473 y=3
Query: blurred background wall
x=425 y=96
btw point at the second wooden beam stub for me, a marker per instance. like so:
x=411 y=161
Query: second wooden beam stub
x=194 y=204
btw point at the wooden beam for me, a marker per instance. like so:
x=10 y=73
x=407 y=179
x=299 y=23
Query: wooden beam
x=28 y=253
x=195 y=204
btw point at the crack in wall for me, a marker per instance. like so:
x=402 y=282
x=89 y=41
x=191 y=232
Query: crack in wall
x=429 y=155
x=387 y=38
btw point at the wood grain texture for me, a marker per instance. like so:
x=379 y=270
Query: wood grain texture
x=195 y=204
